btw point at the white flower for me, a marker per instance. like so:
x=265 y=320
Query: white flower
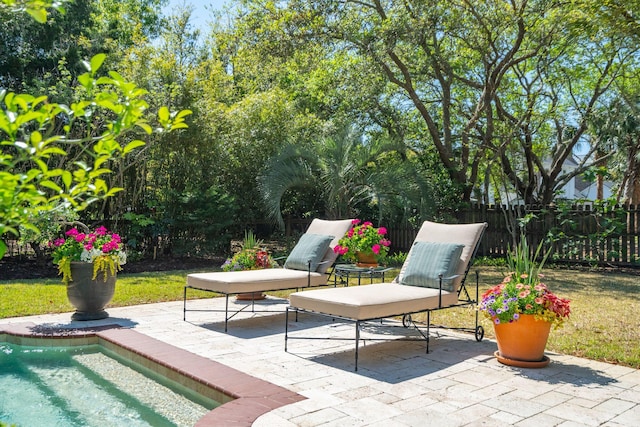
x=122 y=257
x=89 y=256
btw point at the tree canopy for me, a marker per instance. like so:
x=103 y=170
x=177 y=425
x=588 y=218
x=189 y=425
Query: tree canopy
x=393 y=110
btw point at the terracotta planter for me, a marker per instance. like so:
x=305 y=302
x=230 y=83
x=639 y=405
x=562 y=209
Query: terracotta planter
x=88 y=296
x=250 y=296
x=366 y=260
x=522 y=343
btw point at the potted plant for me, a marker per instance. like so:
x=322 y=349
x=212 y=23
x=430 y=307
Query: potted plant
x=252 y=256
x=88 y=262
x=523 y=309
x=364 y=244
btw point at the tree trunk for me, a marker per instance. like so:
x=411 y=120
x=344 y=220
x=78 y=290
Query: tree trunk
x=599 y=178
x=632 y=188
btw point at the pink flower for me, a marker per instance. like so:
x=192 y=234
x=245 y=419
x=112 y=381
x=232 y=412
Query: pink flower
x=355 y=221
x=58 y=242
x=340 y=250
x=385 y=242
x=72 y=232
x=376 y=249
x=88 y=246
x=101 y=231
x=350 y=233
x=367 y=224
x=80 y=237
x=382 y=230
x=109 y=246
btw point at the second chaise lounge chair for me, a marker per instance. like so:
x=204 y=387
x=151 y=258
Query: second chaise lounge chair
x=308 y=265
x=432 y=278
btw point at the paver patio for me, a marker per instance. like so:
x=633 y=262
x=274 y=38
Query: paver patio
x=458 y=383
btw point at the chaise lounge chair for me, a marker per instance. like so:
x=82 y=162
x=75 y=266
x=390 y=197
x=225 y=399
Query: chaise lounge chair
x=432 y=278
x=306 y=267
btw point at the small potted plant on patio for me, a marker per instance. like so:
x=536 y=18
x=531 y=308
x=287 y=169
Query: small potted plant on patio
x=252 y=256
x=523 y=309
x=88 y=262
x=364 y=244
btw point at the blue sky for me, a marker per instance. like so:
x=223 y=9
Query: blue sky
x=201 y=14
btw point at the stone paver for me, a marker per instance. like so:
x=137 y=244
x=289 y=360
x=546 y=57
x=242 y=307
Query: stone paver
x=459 y=383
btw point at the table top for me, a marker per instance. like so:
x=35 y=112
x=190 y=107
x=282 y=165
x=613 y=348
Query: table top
x=352 y=268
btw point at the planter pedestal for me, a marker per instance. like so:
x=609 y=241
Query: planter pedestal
x=522 y=343
x=88 y=296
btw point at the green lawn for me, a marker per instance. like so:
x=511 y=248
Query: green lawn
x=604 y=324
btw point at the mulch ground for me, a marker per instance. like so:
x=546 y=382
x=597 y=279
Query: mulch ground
x=13 y=268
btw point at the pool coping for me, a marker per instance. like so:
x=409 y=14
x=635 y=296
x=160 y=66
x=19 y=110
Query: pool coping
x=252 y=397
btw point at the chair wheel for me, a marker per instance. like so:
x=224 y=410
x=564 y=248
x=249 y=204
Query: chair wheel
x=479 y=333
x=406 y=320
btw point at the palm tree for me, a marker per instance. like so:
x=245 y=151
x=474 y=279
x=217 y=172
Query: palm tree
x=345 y=164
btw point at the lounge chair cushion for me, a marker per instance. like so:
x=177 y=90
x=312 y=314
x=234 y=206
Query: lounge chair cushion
x=269 y=279
x=336 y=228
x=430 y=259
x=309 y=249
x=467 y=234
x=375 y=301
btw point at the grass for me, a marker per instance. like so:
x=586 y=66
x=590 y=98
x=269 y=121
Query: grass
x=40 y=296
x=604 y=323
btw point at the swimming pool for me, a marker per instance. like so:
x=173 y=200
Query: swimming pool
x=90 y=386
x=243 y=398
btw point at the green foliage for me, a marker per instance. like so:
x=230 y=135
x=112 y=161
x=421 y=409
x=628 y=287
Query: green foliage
x=212 y=210
x=396 y=259
x=490 y=262
x=36 y=8
x=605 y=221
x=36 y=133
x=249 y=241
x=49 y=224
x=141 y=228
x=250 y=257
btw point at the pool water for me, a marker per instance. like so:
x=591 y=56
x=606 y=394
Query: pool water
x=89 y=386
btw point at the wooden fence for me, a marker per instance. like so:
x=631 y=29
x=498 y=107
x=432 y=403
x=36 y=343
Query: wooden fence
x=580 y=234
x=584 y=234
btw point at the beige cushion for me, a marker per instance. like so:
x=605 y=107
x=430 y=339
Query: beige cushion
x=465 y=234
x=337 y=228
x=370 y=301
x=270 y=279
x=273 y=279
